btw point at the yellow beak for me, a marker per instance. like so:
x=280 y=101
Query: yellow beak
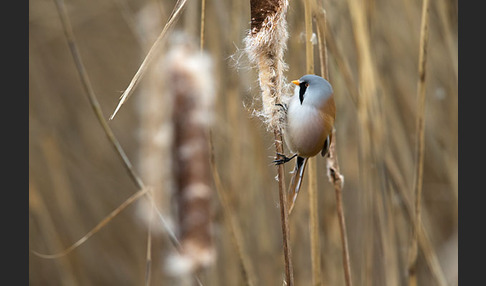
x=296 y=82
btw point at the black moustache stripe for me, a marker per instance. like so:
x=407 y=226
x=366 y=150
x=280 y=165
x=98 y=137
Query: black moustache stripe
x=303 y=87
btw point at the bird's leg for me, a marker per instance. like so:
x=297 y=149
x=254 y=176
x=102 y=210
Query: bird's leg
x=284 y=159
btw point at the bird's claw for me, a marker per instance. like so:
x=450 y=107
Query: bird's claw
x=284 y=159
x=283 y=106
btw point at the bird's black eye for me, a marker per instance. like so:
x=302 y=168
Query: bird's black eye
x=303 y=87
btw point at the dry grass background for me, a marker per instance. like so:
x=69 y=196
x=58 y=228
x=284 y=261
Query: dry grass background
x=76 y=178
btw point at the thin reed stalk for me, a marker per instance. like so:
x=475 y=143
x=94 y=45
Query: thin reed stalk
x=148 y=266
x=152 y=113
x=320 y=20
x=99 y=226
x=265 y=46
x=38 y=208
x=174 y=16
x=95 y=105
x=369 y=117
x=420 y=142
x=337 y=179
x=284 y=213
x=341 y=62
x=235 y=229
x=333 y=170
x=203 y=16
x=423 y=240
x=69 y=34
x=315 y=246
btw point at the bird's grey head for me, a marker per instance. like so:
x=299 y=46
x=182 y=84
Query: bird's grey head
x=313 y=89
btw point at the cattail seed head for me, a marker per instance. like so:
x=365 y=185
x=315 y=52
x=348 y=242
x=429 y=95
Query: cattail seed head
x=265 y=46
x=189 y=84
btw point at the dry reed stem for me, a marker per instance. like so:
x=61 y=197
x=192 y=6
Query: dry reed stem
x=203 y=16
x=58 y=174
x=315 y=246
x=337 y=179
x=342 y=64
x=235 y=229
x=368 y=119
x=148 y=263
x=39 y=209
x=99 y=226
x=420 y=142
x=125 y=12
x=430 y=256
x=423 y=240
x=265 y=46
x=320 y=19
x=284 y=213
x=154 y=111
x=309 y=47
x=446 y=28
x=174 y=16
x=333 y=170
x=152 y=114
x=68 y=32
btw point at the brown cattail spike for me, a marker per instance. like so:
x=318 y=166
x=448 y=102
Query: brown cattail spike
x=189 y=83
x=265 y=47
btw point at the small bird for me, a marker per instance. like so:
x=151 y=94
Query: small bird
x=311 y=112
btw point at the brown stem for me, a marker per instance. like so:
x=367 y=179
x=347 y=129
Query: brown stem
x=265 y=46
x=312 y=166
x=234 y=227
x=284 y=214
x=419 y=152
x=337 y=180
x=334 y=173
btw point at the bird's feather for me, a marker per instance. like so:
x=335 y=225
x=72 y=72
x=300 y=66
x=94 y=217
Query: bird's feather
x=327 y=143
x=296 y=181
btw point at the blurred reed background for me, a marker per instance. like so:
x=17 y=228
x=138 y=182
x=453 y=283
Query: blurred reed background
x=76 y=178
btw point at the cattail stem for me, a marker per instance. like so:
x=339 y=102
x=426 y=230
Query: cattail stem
x=284 y=213
x=265 y=46
x=419 y=152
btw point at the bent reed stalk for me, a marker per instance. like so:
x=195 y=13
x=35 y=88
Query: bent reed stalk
x=95 y=105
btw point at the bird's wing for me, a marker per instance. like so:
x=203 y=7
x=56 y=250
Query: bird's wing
x=327 y=143
x=296 y=181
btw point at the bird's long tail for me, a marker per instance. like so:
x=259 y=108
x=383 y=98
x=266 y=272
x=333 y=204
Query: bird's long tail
x=296 y=181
